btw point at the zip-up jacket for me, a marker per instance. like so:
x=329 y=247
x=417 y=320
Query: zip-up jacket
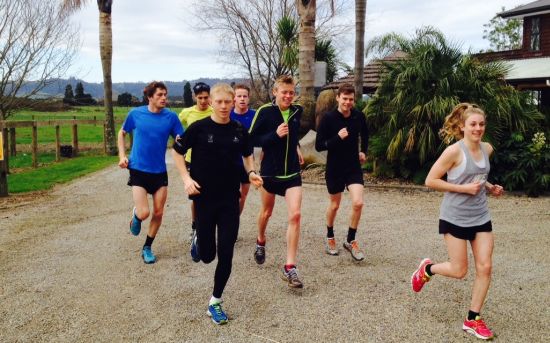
x=280 y=155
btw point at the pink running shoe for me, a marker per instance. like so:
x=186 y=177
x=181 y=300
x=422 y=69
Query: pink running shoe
x=477 y=328
x=420 y=277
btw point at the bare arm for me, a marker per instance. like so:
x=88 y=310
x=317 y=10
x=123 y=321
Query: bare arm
x=253 y=177
x=448 y=159
x=122 y=159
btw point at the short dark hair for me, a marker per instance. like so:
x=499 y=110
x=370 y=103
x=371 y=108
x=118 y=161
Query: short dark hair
x=242 y=86
x=346 y=88
x=200 y=87
x=151 y=88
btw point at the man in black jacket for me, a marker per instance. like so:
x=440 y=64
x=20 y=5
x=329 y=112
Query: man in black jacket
x=339 y=132
x=275 y=129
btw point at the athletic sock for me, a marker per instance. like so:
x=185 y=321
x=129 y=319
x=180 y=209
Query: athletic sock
x=429 y=270
x=262 y=244
x=472 y=315
x=289 y=267
x=351 y=234
x=330 y=231
x=148 y=241
x=214 y=300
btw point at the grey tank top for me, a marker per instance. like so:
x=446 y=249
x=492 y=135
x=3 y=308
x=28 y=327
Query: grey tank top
x=463 y=209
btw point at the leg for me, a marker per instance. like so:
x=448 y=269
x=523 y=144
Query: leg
x=457 y=266
x=245 y=187
x=159 y=199
x=140 y=202
x=268 y=202
x=293 y=197
x=482 y=248
x=332 y=209
x=356 y=193
x=228 y=228
x=207 y=216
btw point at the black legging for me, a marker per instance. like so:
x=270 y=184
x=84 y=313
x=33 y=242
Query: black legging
x=223 y=214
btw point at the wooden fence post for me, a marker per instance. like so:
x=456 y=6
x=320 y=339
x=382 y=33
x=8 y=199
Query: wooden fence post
x=3 y=163
x=34 y=145
x=75 y=138
x=13 y=147
x=57 y=144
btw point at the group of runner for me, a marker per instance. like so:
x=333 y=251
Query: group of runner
x=221 y=130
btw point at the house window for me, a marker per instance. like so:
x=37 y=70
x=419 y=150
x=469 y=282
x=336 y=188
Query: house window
x=535 y=34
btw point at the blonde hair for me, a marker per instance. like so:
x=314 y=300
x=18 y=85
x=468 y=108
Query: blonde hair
x=222 y=88
x=283 y=79
x=451 y=127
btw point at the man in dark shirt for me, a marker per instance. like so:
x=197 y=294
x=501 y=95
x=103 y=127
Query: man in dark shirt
x=338 y=133
x=213 y=184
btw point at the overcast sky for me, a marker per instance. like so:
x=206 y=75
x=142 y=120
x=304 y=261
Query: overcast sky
x=154 y=40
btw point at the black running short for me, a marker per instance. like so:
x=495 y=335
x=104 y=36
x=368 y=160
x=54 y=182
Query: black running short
x=336 y=183
x=465 y=233
x=278 y=186
x=150 y=181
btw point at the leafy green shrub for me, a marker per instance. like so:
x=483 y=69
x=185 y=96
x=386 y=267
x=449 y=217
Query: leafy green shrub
x=523 y=164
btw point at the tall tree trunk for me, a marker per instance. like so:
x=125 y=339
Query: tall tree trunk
x=306 y=65
x=106 y=53
x=360 y=12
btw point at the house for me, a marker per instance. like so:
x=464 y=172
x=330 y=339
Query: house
x=529 y=65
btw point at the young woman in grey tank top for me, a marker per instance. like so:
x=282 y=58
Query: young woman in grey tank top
x=464 y=215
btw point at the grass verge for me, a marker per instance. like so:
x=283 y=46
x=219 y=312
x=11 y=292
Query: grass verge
x=64 y=171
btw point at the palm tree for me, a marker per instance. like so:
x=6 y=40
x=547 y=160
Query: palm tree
x=418 y=91
x=306 y=57
x=360 y=13
x=106 y=53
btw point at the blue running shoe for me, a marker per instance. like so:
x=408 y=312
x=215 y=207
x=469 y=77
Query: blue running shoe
x=195 y=256
x=216 y=313
x=135 y=223
x=148 y=256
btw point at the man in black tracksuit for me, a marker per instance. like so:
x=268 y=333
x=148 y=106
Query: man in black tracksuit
x=275 y=129
x=339 y=132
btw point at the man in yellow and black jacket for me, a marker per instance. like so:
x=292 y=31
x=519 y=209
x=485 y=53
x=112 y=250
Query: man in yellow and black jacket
x=275 y=129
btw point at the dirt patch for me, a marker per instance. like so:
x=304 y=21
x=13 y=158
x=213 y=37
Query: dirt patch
x=71 y=272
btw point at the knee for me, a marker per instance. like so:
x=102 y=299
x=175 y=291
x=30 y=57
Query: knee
x=333 y=207
x=459 y=271
x=357 y=205
x=142 y=213
x=484 y=269
x=158 y=213
x=294 y=216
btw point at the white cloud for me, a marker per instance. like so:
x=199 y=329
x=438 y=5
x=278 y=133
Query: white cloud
x=155 y=40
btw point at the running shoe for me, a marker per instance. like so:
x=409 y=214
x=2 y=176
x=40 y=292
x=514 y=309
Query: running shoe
x=292 y=278
x=478 y=328
x=259 y=254
x=135 y=223
x=217 y=314
x=330 y=246
x=353 y=248
x=420 y=277
x=195 y=256
x=148 y=256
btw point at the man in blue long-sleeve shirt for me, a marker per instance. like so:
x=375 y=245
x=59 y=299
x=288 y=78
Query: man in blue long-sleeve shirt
x=339 y=133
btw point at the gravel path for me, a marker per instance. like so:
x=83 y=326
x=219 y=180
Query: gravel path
x=70 y=272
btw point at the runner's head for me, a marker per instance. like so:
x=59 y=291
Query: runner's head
x=222 y=102
x=284 y=91
x=345 y=97
x=465 y=119
x=201 y=92
x=242 y=97
x=156 y=92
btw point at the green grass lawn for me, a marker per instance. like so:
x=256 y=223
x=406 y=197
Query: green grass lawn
x=47 y=176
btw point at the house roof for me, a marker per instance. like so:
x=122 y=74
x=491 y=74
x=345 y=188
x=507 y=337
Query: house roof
x=532 y=68
x=371 y=74
x=533 y=8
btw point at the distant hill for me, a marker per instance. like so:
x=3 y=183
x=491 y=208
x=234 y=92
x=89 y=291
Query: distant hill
x=175 y=88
